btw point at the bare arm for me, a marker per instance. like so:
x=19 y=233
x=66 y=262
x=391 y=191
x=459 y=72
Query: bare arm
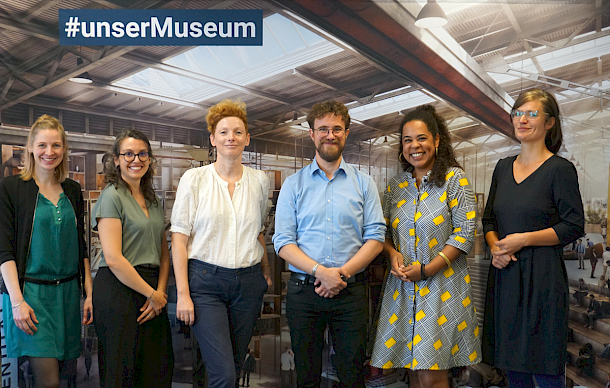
x=185 y=310
x=88 y=305
x=111 y=231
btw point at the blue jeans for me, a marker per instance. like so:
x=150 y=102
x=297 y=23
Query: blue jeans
x=227 y=304
x=524 y=380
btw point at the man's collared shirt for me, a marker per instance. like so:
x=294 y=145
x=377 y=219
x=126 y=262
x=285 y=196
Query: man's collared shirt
x=329 y=220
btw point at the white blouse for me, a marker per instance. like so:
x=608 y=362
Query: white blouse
x=222 y=231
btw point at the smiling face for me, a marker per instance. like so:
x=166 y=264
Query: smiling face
x=230 y=137
x=132 y=172
x=47 y=150
x=330 y=146
x=530 y=129
x=419 y=146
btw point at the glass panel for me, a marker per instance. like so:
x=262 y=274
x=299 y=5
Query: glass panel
x=271 y=48
x=285 y=32
x=228 y=59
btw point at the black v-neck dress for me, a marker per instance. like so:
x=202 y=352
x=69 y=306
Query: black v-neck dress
x=526 y=310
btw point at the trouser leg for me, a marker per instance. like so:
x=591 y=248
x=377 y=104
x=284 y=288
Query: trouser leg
x=520 y=380
x=348 y=330
x=154 y=354
x=244 y=309
x=550 y=381
x=211 y=328
x=307 y=321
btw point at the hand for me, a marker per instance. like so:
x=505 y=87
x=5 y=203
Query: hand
x=322 y=291
x=88 y=311
x=158 y=300
x=24 y=318
x=331 y=279
x=185 y=310
x=413 y=273
x=398 y=266
x=148 y=313
x=267 y=276
x=512 y=243
x=500 y=260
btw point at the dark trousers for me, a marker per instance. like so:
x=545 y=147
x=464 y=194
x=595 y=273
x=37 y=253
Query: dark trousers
x=524 y=380
x=245 y=377
x=593 y=265
x=227 y=304
x=346 y=315
x=130 y=354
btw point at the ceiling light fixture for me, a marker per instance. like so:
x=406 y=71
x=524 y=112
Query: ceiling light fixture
x=83 y=78
x=431 y=16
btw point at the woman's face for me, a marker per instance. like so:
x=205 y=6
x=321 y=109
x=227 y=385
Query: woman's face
x=532 y=129
x=419 y=146
x=47 y=149
x=230 y=137
x=131 y=166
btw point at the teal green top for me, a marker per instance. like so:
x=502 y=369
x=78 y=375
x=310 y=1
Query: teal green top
x=142 y=236
x=53 y=254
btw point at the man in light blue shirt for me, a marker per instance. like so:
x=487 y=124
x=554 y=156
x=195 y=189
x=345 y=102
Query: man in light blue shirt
x=329 y=226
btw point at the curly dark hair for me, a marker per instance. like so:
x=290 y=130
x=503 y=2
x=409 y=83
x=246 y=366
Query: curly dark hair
x=436 y=125
x=321 y=109
x=113 y=172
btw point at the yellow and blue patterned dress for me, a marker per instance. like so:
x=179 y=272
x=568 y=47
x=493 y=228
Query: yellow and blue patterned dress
x=429 y=324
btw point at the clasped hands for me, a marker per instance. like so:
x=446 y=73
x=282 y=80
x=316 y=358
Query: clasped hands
x=410 y=273
x=503 y=251
x=330 y=281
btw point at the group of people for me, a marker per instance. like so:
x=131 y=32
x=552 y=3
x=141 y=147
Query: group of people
x=330 y=224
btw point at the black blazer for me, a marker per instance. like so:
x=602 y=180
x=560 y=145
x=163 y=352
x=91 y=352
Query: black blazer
x=17 y=205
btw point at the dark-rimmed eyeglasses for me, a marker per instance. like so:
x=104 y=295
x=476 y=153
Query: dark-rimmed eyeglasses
x=337 y=131
x=130 y=156
x=530 y=114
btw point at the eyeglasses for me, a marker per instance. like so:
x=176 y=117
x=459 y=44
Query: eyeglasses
x=130 y=156
x=530 y=114
x=337 y=131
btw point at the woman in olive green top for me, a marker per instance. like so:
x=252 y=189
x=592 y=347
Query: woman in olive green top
x=135 y=348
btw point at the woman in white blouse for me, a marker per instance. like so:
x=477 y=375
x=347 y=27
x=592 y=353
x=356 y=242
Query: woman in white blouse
x=219 y=251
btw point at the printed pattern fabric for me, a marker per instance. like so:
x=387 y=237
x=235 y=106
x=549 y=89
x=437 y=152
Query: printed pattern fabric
x=429 y=324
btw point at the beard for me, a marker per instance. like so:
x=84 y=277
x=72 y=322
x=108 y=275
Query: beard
x=330 y=155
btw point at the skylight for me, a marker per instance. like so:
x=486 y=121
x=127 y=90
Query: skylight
x=390 y=105
x=286 y=45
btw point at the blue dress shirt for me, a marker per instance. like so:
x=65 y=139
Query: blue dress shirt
x=329 y=220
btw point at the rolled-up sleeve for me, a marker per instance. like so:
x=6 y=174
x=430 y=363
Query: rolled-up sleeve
x=462 y=205
x=285 y=218
x=185 y=205
x=374 y=227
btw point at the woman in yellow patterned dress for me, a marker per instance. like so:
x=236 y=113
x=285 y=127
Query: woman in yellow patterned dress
x=427 y=321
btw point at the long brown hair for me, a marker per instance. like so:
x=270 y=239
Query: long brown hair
x=45 y=122
x=113 y=172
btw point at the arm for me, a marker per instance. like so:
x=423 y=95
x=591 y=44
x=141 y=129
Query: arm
x=185 y=310
x=88 y=306
x=265 y=260
x=568 y=202
x=111 y=237
x=23 y=314
x=461 y=205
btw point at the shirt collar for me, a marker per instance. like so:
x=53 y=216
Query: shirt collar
x=316 y=167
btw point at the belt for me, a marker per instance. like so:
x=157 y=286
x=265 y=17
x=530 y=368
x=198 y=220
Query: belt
x=52 y=282
x=308 y=279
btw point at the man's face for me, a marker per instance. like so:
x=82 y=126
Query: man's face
x=329 y=146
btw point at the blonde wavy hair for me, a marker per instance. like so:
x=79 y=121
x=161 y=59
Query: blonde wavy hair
x=45 y=122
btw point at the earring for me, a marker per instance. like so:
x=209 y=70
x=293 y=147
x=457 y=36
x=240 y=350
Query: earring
x=436 y=151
